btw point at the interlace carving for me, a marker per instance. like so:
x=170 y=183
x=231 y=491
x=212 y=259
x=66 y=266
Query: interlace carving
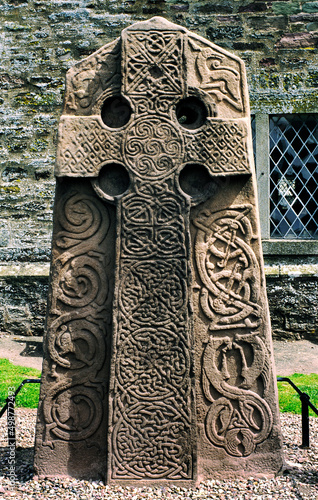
x=152 y=412
x=152 y=403
x=222 y=146
x=154 y=64
x=153 y=226
x=228 y=269
x=148 y=121
x=239 y=418
x=89 y=146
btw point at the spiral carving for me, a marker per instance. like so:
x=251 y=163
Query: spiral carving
x=73 y=406
x=77 y=342
x=72 y=412
x=153 y=147
x=83 y=281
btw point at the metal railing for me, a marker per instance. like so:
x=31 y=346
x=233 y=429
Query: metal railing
x=9 y=407
x=305 y=405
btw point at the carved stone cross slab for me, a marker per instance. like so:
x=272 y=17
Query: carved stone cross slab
x=158 y=364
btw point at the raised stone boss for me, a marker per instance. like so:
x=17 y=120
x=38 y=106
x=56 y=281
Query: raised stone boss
x=158 y=361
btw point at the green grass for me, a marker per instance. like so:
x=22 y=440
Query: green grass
x=289 y=401
x=12 y=376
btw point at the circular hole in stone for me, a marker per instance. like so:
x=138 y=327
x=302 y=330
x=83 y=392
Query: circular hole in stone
x=155 y=71
x=191 y=112
x=116 y=111
x=196 y=182
x=113 y=179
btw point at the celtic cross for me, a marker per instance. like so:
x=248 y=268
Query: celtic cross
x=156 y=322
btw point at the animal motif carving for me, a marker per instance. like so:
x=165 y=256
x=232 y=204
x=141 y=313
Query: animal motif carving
x=239 y=418
x=91 y=77
x=152 y=123
x=76 y=337
x=228 y=269
x=216 y=77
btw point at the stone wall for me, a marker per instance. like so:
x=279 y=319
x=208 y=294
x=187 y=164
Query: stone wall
x=41 y=39
x=292 y=291
x=294 y=308
x=292 y=300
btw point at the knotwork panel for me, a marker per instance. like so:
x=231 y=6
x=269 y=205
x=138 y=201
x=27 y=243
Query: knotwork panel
x=153 y=291
x=153 y=225
x=154 y=63
x=236 y=377
x=89 y=145
x=222 y=146
x=152 y=384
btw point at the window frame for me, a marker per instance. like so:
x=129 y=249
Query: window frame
x=270 y=245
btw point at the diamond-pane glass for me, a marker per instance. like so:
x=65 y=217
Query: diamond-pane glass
x=294 y=176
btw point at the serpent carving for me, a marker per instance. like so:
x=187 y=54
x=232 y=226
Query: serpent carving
x=234 y=364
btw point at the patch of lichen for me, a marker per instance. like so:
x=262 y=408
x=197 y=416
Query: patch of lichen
x=38 y=145
x=46 y=101
x=16 y=146
x=280 y=102
x=10 y=189
x=293 y=80
x=268 y=80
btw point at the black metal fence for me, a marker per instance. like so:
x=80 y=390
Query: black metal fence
x=305 y=405
x=9 y=407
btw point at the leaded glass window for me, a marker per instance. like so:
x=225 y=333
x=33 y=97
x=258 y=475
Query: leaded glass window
x=294 y=176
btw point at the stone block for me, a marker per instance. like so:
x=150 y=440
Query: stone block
x=267 y=61
x=223 y=7
x=286 y=8
x=269 y=23
x=23 y=301
x=158 y=366
x=303 y=17
x=313 y=26
x=310 y=7
x=254 y=7
x=231 y=32
x=297 y=41
x=251 y=46
x=293 y=303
